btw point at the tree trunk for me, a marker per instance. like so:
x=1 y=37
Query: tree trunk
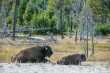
x=87 y=44
x=93 y=41
x=76 y=35
x=15 y=19
x=61 y=23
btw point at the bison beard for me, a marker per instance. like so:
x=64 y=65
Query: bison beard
x=74 y=59
x=34 y=55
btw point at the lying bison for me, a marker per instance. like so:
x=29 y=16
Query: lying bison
x=75 y=59
x=34 y=55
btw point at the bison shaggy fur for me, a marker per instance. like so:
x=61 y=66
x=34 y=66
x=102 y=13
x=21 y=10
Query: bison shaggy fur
x=34 y=55
x=74 y=59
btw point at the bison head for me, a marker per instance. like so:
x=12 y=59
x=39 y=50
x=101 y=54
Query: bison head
x=47 y=51
x=83 y=57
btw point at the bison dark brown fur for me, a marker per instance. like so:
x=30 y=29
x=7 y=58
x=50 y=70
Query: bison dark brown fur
x=74 y=59
x=34 y=54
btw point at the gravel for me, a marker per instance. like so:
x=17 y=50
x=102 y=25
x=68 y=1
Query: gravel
x=93 y=67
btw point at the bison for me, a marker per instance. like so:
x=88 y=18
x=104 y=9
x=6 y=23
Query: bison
x=74 y=59
x=36 y=54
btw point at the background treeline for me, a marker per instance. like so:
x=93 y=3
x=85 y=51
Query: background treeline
x=56 y=16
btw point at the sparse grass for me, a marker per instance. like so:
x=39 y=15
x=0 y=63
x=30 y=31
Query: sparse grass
x=6 y=54
x=103 y=45
x=100 y=56
x=9 y=48
x=66 y=45
x=61 y=48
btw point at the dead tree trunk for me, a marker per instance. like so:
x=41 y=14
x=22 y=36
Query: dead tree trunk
x=93 y=51
x=61 y=23
x=76 y=35
x=15 y=18
x=87 y=43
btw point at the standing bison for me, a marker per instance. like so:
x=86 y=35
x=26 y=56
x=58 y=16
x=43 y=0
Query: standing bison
x=74 y=59
x=36 y=54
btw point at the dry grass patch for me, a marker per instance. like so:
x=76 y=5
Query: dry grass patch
x=8 y=48
x=103 y=46
x=100 y=56
x=66 y=45
x=61 y=48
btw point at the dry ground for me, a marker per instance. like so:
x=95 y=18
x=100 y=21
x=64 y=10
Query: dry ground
x=61 y=48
